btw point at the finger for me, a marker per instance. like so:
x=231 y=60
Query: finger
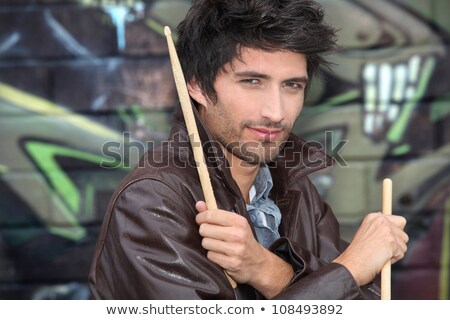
x=399 y=221
x=229 y=264
x=403 y=237
x=218 y=246
x=400 y=235
x=399 y=254
x=213 y=231
x=201 y=206
x=401 y=247
x=219 y=217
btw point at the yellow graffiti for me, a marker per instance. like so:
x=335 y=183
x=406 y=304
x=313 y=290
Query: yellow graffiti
x=3 y=169
x=155 y=26
x=44 y=107
x=445 y=255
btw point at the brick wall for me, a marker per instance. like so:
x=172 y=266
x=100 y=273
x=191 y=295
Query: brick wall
x=77 y=74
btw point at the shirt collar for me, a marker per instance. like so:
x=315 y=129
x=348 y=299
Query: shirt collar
x=262 y=185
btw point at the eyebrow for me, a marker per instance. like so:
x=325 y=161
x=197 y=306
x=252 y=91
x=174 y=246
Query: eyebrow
x=253 y=74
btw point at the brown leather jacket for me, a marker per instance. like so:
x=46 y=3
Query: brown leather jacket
x=149 y=246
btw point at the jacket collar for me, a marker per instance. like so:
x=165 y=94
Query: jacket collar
x=297 y=159
x=214 y=157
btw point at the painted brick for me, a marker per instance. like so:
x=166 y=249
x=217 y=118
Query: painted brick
x=345 y=124
x=346 y=181
x=56 y=32
x=415 y=181
x=70 y=290
x=115 y=83
x=34 y=2
x=71 y=132
x=142 y=40
x=94 y=135
x=32 y=79
x=19 y=206
x=360 y=26
x=74 y=193
x=425 y=130
x=54 y=259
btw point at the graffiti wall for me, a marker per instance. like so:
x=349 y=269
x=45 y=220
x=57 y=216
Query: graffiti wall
x=388 y=98
x=77 y=74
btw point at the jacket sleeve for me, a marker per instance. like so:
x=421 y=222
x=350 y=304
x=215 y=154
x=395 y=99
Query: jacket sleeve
x=316 y=276
x=317 y=280
x=149 y=248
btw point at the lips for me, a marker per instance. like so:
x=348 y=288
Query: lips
x=264 y=133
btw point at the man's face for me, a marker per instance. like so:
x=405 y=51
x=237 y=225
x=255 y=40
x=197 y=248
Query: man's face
x=259 y=97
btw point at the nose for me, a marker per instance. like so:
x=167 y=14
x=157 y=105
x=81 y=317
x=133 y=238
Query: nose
x=273 y=106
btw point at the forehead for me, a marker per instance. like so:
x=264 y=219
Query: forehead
x=274 y=63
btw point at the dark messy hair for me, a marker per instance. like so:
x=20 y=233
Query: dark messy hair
x=214 y=32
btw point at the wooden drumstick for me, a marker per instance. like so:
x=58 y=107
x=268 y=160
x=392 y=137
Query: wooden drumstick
x=386 y=271
x=192 y=130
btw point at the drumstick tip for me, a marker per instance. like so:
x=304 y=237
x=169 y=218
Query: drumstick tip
x=167 y=31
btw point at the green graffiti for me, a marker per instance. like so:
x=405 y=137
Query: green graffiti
x=403 y=149
x=155 y=120
x=44 y=154
x=158 y=28
x=64 y=193
x=61 y=190
x=395 y=134
x=124 y=116
x=137 y=111
x=440 y=109
x=340 y=99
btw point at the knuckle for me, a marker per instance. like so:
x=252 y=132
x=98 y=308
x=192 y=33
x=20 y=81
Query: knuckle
x=239 y=251
x=240 y=220
x=212 y=256
x=373 y=216
x=238 y=236
x=235 y=264
x=209 y=215
x=201 y=229
x=391 y=241
x=402 y=221
x=406 y=238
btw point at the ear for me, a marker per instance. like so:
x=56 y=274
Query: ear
x=196 y=93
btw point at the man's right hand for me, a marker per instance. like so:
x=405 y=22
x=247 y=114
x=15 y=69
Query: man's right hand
x=379 y=239
x=229 y=240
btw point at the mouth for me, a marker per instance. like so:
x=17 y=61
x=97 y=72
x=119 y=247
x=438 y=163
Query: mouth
x=265 y=133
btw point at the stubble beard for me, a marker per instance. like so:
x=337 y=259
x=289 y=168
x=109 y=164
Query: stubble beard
x=250 y=152
x=253 y=152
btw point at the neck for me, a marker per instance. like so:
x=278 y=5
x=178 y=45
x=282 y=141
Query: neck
x=243 y=173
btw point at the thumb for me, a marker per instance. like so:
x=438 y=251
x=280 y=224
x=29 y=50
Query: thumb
x=201 y=206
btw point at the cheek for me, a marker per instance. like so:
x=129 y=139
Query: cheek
x=297 y=113
x=293 y=112
x=232 y=101
x=235 y=108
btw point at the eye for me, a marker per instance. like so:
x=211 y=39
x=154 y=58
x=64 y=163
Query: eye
x=293 y=85
x=252 y=82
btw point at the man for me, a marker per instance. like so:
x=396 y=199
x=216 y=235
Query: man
x=247 y=64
